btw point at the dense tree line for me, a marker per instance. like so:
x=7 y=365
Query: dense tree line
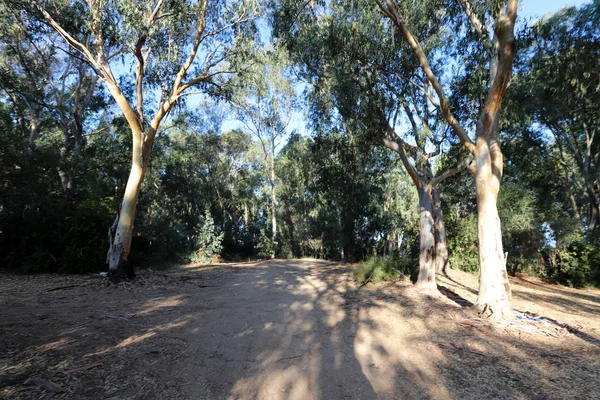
x=429 y=140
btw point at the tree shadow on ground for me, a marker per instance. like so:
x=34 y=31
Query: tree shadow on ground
x=281 y=329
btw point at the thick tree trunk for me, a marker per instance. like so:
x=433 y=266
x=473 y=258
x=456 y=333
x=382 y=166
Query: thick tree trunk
x=426 y=277
x=121 y=234
x=441 y=247
x=494 y=288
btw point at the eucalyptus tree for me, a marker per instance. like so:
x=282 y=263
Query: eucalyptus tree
x=265 y=103
x=47 y=86
x=359 y=69
x=561 y=79
x=172 y=48
x=490 y=32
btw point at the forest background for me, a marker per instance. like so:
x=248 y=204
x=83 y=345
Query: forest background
x=276 y=156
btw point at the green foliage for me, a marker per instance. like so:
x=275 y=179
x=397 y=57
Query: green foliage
x=389 y=268
x=41 y=229
x=462 y=240
x=209 y=242
x=575 y=265
x=265 y=245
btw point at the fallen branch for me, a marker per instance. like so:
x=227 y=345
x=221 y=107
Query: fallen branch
x=289 y=358
x=84 y=368
x=66 y=287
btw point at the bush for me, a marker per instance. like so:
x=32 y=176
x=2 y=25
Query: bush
x=377 y=269
x=265 y=245
x=209 y=241
x=575 y=266
x=462 y=241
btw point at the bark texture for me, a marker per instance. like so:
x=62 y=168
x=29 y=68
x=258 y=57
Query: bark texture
x=427 y=245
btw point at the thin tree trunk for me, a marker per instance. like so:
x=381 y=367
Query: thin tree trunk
x=441 y=247
x=494 y=288
x=119 y=265
x=273 y=206
x=426 y=277
x=594 y=225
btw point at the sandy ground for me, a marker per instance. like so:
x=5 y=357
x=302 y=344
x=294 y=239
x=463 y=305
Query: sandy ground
x=289 y=329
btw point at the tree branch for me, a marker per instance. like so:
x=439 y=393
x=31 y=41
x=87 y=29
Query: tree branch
x=392 y=12
x=467 y=163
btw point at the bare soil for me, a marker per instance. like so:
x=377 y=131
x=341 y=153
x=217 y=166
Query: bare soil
x=290 y=329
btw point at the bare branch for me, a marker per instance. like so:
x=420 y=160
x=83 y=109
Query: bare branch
x=391 y=11
x=197 y=40
x=74 y=43
x=467 y=163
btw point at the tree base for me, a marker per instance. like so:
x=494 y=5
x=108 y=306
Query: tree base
x=123 y=272
x=496 y=310
x=426 y=285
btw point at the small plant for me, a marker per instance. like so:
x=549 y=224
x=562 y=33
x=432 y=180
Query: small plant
x=209 y=241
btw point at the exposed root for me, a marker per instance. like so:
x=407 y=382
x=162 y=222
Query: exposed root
x=497 y=311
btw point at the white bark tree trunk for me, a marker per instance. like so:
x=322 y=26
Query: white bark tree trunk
x=426 y=278
x=494 y=288
x=441 y=247
x=119 y=265
x=273 y=204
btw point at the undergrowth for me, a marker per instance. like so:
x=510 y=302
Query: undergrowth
x=377 y=269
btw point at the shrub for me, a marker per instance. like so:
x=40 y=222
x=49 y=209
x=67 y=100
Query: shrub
x=377 y=269
x=209 y=241
x=576 y=265
x=265 y=245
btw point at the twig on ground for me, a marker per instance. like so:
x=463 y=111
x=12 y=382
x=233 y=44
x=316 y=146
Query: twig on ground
x=289 y=358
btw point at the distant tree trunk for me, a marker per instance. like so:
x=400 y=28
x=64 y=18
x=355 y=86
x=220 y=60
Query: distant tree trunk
x=121 y=233
x=427 y=265
x=441 y=247
x=594 y=226
x=273 y=205
x=246 y=215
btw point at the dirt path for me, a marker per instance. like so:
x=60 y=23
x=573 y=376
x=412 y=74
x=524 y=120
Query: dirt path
x=288 y=329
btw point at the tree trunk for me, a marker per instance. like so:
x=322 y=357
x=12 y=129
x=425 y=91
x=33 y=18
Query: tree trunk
x=426 y=277
x=273 y=207
x=441 y=247
x=119 y=266
x=594 y=225
x=494 y=288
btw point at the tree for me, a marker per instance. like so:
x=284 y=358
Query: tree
x=174 y=46
x=349 y=56
x=47 y=87
x=491 y=30
x=265 y=105
x=561 y=76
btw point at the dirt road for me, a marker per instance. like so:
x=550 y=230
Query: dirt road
x=288 y=329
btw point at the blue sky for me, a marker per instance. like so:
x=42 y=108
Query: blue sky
x=537 y=8
x=528 y=9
